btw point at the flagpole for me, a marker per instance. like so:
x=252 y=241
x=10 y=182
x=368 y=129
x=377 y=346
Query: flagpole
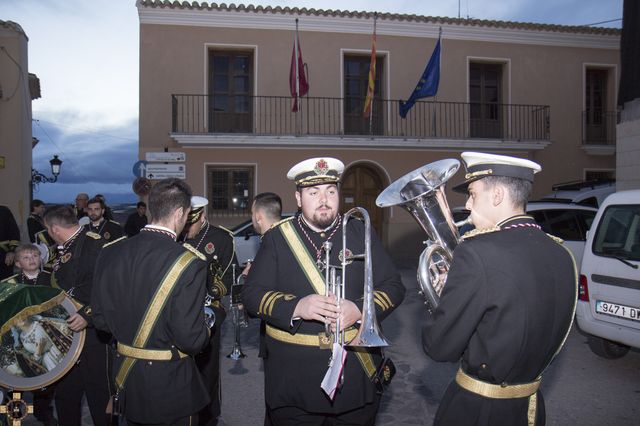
x=375 y=18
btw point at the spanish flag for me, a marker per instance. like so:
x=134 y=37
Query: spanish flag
x=372 y=74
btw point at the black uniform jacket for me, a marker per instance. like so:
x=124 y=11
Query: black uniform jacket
x=217 y=245
x=109 y=230
x=73 y=269
x=293 y=373
x=506 y=307
x=34 y=225
x=128 y=274
x=9 y=239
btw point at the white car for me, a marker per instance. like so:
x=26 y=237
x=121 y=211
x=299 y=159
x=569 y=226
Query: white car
x=609 y=300
x=587 y=193
x=564 y=220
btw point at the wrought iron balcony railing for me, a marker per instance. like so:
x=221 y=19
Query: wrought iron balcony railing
x=272 y=115
x=599 y=127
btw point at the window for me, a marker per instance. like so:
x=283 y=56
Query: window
x=356 y=80
x=230 y=77
x=230 y=190
x=485 y=96
x=571 y=225
x=600 y=175
x=618 y=233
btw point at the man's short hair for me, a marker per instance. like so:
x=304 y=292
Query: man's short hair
x=36 y=203
x=96 y=200
x=31 y=248
x=167 y=196
x=269 y=203
x=519 y=189
x=82 y=196
x=141 y=204
x=62 y=215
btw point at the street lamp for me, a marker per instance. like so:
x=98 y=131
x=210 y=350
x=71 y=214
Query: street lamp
x=38 y=178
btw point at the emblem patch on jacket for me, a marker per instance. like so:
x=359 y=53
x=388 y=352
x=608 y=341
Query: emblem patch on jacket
x=209 y=248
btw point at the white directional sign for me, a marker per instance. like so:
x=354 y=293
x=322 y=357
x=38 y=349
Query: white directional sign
x=163 y=171
x=169 y=157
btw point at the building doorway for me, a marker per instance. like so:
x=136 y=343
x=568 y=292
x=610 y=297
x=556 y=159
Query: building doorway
x=361 y=185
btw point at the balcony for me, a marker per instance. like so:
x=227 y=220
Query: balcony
x=599 y=131
x=198 y=116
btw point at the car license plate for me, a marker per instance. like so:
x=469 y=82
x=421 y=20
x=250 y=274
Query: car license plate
x=617 y=310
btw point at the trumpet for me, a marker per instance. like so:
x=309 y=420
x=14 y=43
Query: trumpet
x=239 y=315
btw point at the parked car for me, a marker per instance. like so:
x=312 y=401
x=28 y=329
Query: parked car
x=587 y=193
x=247 y=241
x=567 y=221
x=609 y=301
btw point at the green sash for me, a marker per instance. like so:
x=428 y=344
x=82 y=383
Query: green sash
x=308 y=266
x=152 y=314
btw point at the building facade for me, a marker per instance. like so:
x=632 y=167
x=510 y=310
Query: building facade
x=214 y=84
x=17 y=89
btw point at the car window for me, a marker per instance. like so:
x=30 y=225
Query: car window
x=619 y=232
x=585 y=217
x=560 y=222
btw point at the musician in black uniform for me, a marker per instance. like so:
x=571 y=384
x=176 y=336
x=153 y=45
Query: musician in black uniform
x=508 y=302
x=9 y=240
x=34 y=221
x=157 y=335
x=73 y=272
x=136 y=220
x=108 y=229
x=27 y=260
x=286 y=289
x=217 y=245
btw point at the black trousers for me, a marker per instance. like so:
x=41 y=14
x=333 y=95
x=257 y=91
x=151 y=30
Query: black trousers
x=88 y=376
x=294 y=416
x=42 y=403
x=208 y=362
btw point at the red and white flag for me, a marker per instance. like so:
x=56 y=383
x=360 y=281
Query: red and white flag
x=297 y=77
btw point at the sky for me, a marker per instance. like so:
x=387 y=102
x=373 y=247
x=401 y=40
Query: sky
x=85 y=53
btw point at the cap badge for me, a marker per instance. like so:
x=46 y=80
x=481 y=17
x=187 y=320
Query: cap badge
x=209 y=248
x=321 y=168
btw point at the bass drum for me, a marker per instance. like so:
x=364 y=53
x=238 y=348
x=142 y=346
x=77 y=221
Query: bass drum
x=37 y=347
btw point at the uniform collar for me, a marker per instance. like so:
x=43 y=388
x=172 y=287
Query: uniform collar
x=161 y=230
x=516 y=220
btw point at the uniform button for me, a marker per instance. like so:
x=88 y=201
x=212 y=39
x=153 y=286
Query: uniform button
x=150 y=363
x=483 y=366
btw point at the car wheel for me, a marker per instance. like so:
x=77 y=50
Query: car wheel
x=606 y=348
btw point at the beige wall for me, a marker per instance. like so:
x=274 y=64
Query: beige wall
x=173 y=60
x=628 y=148
x=15 y=125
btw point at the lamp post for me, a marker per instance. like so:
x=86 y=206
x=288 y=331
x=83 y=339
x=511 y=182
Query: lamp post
x=38 y=178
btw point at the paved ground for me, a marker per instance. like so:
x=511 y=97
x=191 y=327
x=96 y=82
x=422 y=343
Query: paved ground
x=579 y=387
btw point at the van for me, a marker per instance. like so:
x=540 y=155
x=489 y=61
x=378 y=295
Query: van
x=608 y=308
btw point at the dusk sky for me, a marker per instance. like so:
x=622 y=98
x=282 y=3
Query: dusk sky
x=85 y=54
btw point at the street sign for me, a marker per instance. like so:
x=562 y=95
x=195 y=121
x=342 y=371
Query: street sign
x=163 y=171
x=168 y=157
x=140 y=168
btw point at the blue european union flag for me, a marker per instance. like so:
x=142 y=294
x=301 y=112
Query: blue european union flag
x=428 y=84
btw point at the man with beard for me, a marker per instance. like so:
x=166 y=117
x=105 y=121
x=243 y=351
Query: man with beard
x=109 y=230
x=217 y=245
x=149 y=293
x=508 y=303
x=285 y=288
x=73 y=272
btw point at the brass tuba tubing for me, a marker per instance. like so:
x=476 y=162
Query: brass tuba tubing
x=370 y=334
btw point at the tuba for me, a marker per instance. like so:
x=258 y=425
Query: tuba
x=421 y=192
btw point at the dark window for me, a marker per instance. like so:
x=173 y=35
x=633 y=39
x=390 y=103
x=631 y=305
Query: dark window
x=485 y=96
x=230 y=77
x=356 y=80
x=604 y=175
x=230 y=190
x=618 y=232
x=569 y=225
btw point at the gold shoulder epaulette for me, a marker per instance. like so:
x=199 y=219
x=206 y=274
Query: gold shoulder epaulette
x=195 y=251
x=114 y=241
x=93 y=235
x=476 y=232
x=556 y=239
x=280 y=222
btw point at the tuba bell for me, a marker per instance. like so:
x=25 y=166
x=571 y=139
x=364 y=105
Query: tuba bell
x=421 y=192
